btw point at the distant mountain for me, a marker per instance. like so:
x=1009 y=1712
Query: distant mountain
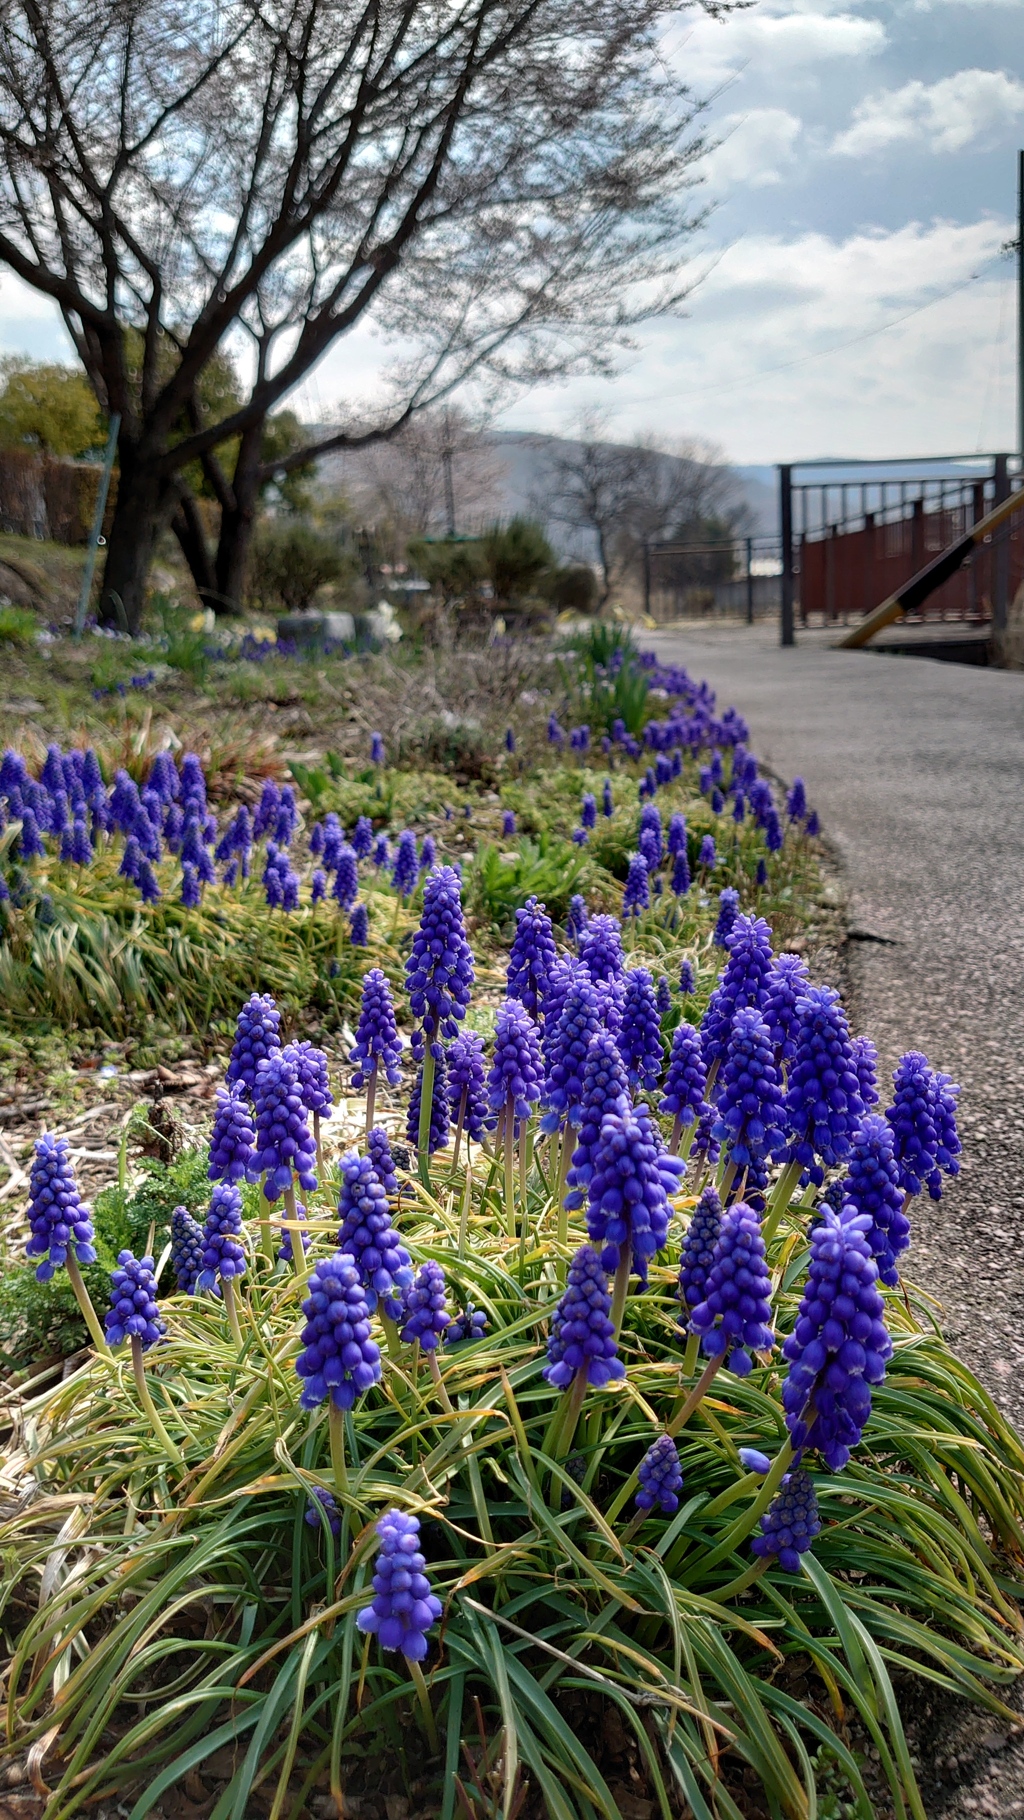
x=518 y=478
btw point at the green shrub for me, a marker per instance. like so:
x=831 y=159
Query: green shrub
x=17 y=626
x=291 y=562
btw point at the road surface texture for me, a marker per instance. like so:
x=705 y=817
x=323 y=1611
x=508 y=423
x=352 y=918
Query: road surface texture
x=917 y=771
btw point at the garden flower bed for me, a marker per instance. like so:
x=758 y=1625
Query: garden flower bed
x=583 y=1392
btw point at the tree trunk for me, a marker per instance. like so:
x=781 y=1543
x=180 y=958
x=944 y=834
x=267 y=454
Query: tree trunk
x=188 y=529
x=237 y=524
x=144 y=506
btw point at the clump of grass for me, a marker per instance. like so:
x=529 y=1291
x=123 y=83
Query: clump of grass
x=18 y=626
x=196 y=1607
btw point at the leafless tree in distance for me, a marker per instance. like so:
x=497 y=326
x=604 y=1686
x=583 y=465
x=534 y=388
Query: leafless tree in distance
x=504 y=187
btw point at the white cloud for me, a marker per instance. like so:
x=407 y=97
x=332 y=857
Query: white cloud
x=774 y=43
x=780 y=358
x=755 y=148
x=944 y=116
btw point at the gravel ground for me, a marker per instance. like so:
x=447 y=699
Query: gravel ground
x=917 y=770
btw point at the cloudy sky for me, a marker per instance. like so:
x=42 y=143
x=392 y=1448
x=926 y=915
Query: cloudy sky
x=866 y=172
x=854 y=301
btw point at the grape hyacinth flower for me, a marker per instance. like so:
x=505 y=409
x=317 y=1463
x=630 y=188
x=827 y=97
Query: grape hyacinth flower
x=405 y=870
x=636 y=894
x=566 y=1052
x=796 y=801
x=186 y=1249
x=707 y=858
x=191 y=895
x=377 y=753
x=733 y=1319
x=322 y=1508
x=531 y=957
x=510 y=740
x=728 y=910
x=439 y=971
x=607 y=805
x=752 y=1460
x=823 y=1102
x=581 y=1339
x=223 y=1254
x=628 y=1209
x=284 y=1147
x=605 y=1089
x=346 y=877
x=426 y=1307
x=742 y=982
x=508 y=824
x=133 y=1313
x=872 y=1187
x=749 y=1101
x=317 y=886
x=359 y=926
x=639 y=1035
x=577 y=919
x=790 y=1523
x=440 y=1106
x=684 y=1098
x=467 y=1088
x=339 y=1359
x=681 y=880
x=687 y=979
x=812 y=826
x=945 y=1092
x=369 y=1238
x=256 y=1037
x=761 y=875
x=362 y=837
x=649 y=846
x=661 y=1477
x=378 y=1149
x=787 y=982
x=698 y=1252
x=381 y=851
x=601 y=949
x=378 y=1046
x=428 y=853
x=839 y=1346
x=717 y=801
x=59 y=1218
x=233 y=1143
x=471 y=1324
x=865 y=1062
x=663 y=996
x=403 y=1608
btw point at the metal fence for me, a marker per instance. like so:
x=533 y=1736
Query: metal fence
x=854 y=538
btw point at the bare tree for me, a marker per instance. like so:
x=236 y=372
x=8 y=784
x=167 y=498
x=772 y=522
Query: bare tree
x=438 y=475
x=687 y=495
x=592 y=484
x=504 y=187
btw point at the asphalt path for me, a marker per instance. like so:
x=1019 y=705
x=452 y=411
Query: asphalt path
x=917 y=770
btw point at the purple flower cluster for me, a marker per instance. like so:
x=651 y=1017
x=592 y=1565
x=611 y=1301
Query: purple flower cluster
x=749 y=1102
x=531 y=957
x=369 y=1238
x=742 y=982
x=839 y=1346
x=872 y=1187
x=439 y=971
x=58 y=1216
x=471 y=1324
x=378 y=1046
x=256 y=1038
x=467 y=1085
x=923 y=1121
x=581 y=1338
x=403 y=1608
x=698 y=1251
x=661 y=1476
x=823 y=1102
x=686 y=1077
x=733 y=1319
x=629 y=1189
x=186 y=1249
x=639 y=1034
x=233 y=1143
x=566 y=1049
x=440 y=1109
x=605 y=1089
x=514 y=1082
x=133 y=1313
x=283 y=1143
x=310 y=1065
x=339 y=1359
x=426 y=1308
x=790 y=1523
x=223 y=1255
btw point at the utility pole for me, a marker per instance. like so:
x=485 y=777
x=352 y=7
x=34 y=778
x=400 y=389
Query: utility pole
x=446 y=463
x=786 y=634
x=1020 y=303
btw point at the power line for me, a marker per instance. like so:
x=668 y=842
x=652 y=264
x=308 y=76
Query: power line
x=834 y=347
